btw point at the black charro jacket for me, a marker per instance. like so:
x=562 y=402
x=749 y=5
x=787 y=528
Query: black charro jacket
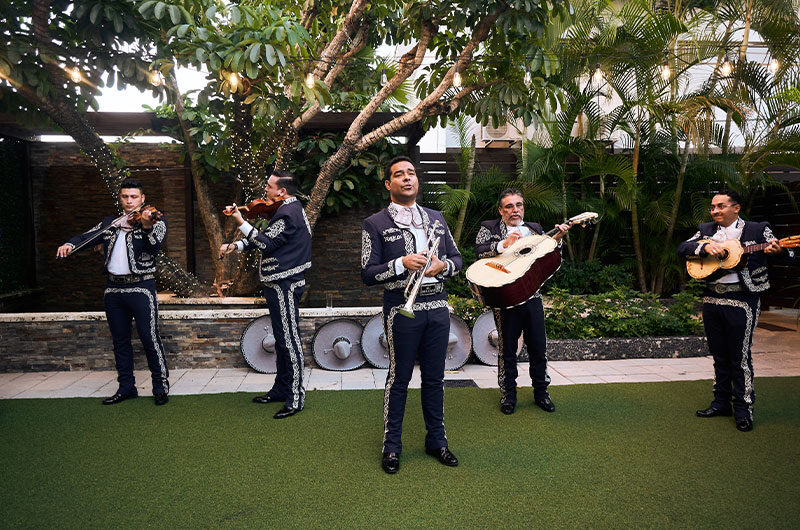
x=285 y=244
x=752 y=271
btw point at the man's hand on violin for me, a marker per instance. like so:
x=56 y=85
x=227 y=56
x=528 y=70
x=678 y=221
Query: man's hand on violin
x=235 y=213
x=147 y=219
x=64 y=250
x=227 y=248
x=773 y=248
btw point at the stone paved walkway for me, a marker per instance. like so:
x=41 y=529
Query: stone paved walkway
x=776 y=352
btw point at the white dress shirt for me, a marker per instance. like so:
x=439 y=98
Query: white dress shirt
x=118 y=262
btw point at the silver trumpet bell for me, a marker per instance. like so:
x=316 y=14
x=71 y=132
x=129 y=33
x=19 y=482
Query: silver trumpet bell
x=416 y=277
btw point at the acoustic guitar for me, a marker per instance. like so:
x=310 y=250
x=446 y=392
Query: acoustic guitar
x=703 y=267
x=513 y=277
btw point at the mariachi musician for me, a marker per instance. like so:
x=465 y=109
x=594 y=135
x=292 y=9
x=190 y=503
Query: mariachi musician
x=400 y=241
x=731 y=303
x=526 y=319
x=130 y=245
x=285 y=247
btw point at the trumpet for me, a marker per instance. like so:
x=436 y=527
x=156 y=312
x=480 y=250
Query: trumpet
x=416 y=277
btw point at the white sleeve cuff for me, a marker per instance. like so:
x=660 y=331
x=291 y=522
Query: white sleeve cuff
x=500 y=247
x=399 y=268
x=239 y=245
x=246 y=228
x=699 y=248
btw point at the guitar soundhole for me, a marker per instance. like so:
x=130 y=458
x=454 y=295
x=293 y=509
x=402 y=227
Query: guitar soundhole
x=525 y=250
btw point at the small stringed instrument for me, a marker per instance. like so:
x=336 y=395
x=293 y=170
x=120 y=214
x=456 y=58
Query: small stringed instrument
x=703 y=267
x=513 y=277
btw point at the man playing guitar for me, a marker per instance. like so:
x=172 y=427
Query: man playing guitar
x=731 y=303
x=526 y=319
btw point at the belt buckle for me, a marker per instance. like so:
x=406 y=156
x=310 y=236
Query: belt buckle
x=719 y=288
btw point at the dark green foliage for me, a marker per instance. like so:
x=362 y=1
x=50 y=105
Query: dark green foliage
x=589 y=277
x=358 y=186
x=458 y=286
x=619 y=313
x=468 y=309
x=612 y=456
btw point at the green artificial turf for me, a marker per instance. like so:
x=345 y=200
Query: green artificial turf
x=612 y=455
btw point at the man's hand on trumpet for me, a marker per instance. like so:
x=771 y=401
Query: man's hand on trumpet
x=415 y=262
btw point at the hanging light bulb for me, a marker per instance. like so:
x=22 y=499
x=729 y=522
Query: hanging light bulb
x=457 y=80
x=726 y=68
x=597 y=76
x=233 y=79
x=74 y=74
x=773 y=66
x=309 y=82
x=155 y=78
x=527 y=79
x=666 y=73
x=384 y=78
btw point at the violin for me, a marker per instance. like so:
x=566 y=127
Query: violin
x=135 y=217
x=255 y=209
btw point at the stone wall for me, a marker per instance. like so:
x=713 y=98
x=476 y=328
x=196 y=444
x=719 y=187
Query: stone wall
x=210 y=338
x=192 y=339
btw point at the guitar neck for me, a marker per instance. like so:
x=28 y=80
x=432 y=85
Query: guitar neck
x=754 y=248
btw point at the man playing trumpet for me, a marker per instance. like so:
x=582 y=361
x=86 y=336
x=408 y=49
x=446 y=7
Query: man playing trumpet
x=394 y=252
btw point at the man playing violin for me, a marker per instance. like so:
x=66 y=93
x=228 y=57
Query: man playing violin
x=526 y=319
x=130 y=245
x=394 y=245
x=285 y=247
x=731 y=304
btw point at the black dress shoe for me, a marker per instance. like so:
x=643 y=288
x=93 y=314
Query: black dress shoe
x=744 y=424
x=390 y=463
x=119 y=398
x=161 y=398
x=545 y=404
x=507 y=408
x=266 y=398
x=712 y=411
x=285 y=412
x=444 y=456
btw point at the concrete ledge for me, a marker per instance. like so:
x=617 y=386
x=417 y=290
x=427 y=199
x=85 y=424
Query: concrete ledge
x=627 y=348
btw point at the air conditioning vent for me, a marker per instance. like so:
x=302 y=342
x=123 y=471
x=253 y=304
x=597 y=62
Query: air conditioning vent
x=504 y=135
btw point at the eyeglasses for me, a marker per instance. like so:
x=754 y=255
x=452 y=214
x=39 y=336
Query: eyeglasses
x=511 y=206
x=719 y=207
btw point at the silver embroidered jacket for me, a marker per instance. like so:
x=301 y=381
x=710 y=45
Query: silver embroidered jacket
x=143 y=245
x=285 y=244
x=383 y=242
x=752 y=270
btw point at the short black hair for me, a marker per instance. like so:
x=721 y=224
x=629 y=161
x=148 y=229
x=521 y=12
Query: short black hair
x=733 y=195
x=286 y=180
x=131 y=183
x=387 y=170
x=506 y=192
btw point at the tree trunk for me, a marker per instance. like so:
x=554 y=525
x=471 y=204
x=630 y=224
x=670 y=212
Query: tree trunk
x=637 y=244
x=673 y=218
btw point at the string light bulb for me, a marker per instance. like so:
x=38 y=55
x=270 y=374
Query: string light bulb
x=597 y=76
x=666 y=73
x=155 y=78
x=309 y=79
x=726 y=68
x=74 y=74
x=233 y=80
x=457 y=79
x=773 y=66
x=384 y=78
x=527 y=79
